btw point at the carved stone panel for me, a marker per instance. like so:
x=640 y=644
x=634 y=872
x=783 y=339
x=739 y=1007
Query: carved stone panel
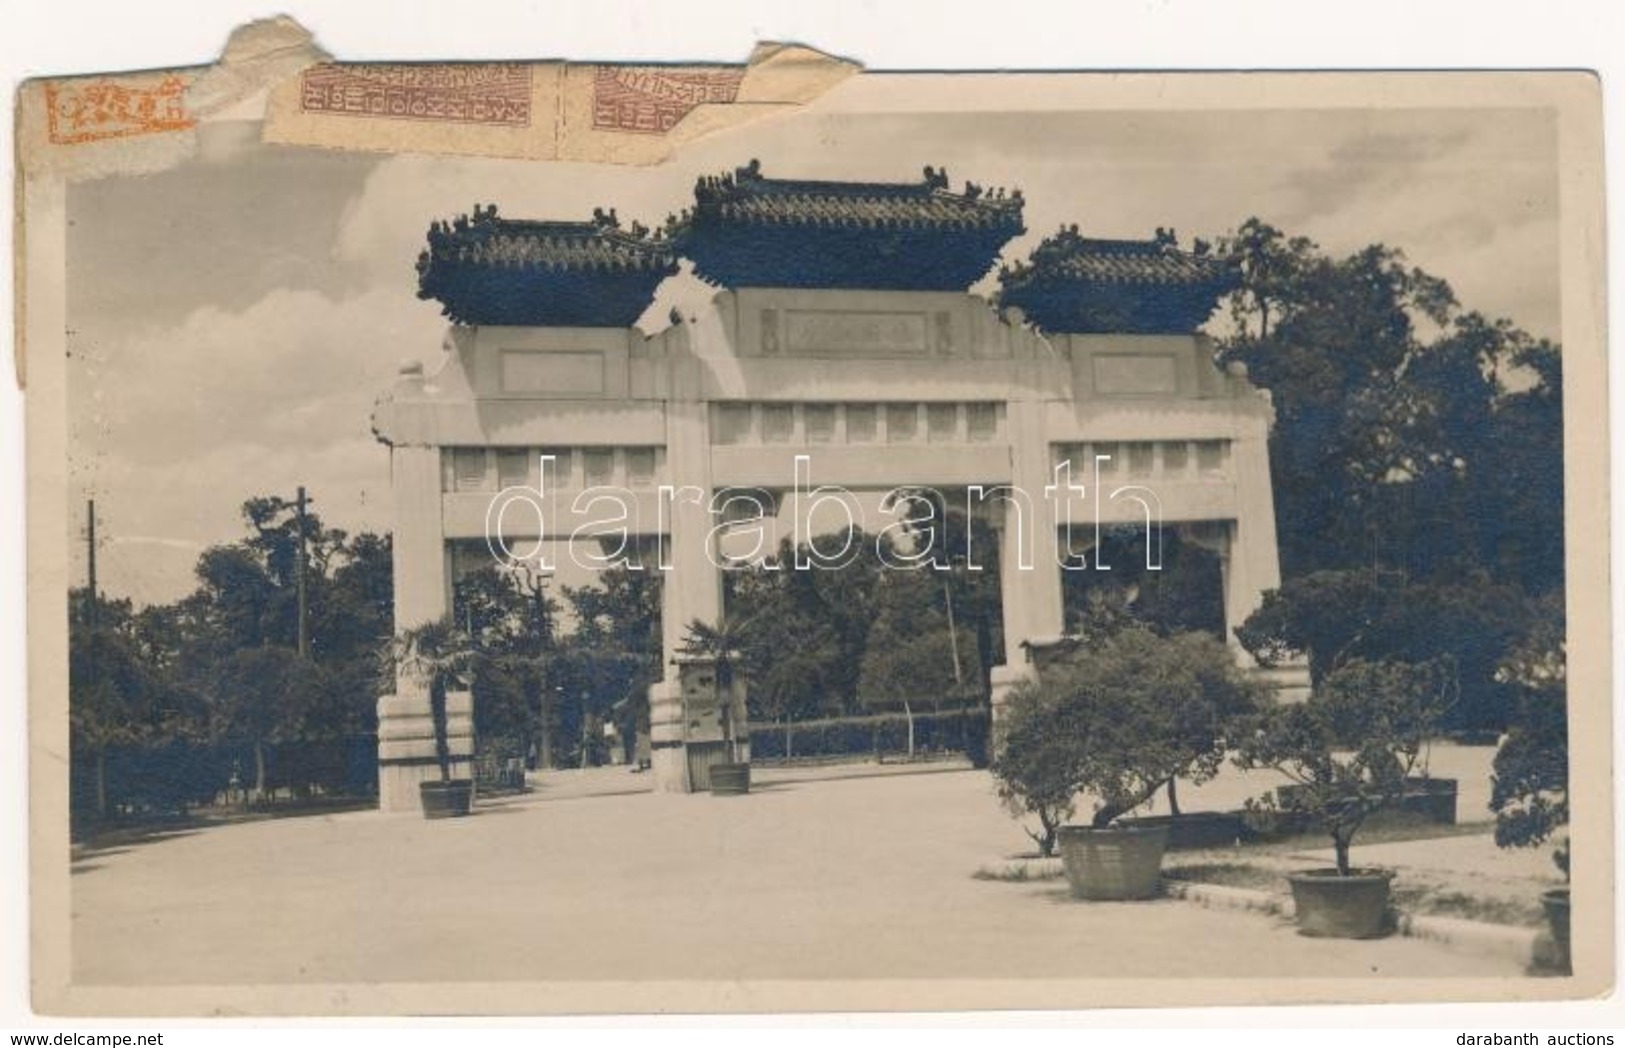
x=820 y=333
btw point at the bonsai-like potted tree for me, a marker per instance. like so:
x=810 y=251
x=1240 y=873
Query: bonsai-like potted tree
x=1118 y=722
x=721 y=645
x=1035 y=765
x=1530 y=786
x=1348 y=752
x=439 y=655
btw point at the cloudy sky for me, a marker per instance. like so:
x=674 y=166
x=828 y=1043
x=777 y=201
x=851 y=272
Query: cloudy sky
x=232 y=321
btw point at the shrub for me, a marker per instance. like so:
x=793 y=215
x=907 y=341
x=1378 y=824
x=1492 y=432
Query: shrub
x=1349 y=749
x=1120 y=719
x=1530 y=786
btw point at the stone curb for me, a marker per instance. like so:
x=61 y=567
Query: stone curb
x=1518 y=944
x=1480 y=937
x=1219 y=896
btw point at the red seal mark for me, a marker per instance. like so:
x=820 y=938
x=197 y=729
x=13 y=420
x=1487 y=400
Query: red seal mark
x=651 y=100
x=472 y=93
x=111 y=109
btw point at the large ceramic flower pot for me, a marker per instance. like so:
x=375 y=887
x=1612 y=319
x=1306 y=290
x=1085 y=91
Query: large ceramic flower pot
x=1334 y=907
x=443 y=799
x=1117 y=862
x=729 y=779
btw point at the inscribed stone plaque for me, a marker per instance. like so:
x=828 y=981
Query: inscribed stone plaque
x=856 y=334
x=553 y=374
x=1129 y=375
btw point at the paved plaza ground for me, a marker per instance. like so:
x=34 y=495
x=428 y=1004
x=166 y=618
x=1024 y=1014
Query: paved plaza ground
x=819 y=873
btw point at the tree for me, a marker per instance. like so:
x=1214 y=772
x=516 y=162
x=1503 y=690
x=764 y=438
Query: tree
x=1270 y=265
x=1350 y=749
x=263 y=696
x=829 y=608
x=911 y=654
x=1333 y=617
x=1034 y=767
x=1120 y=721
x=1184 y=593
x=509 y=617
x=791 y=656
x=109 y=688
x=1530 y=785
x=604 y=669
x=1398 y=416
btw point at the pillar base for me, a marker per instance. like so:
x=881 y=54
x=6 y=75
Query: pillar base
x=1003 y=680
x=406 y=750
x=1288 y=683
x=398 y=783
x=667 y=761
x=669 y=766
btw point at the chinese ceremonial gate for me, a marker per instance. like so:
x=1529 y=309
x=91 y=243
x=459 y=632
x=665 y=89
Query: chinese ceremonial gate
x=841 y=332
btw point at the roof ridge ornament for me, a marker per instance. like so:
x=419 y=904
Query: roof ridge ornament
x=749 y=230
x=484 y=269
x=1086 y=285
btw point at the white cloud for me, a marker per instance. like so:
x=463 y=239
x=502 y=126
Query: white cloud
x=174 y=429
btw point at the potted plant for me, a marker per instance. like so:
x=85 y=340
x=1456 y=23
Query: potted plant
x=1530 y=785
x=1348 y=752
x=720 y=644
x=438 y=655
x=1119 y=721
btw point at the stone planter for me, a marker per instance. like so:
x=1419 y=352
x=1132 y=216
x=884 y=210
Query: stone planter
x=1432 y=799
x=729 y=779
x=1334 y=907
x=1115 y=863
x=1197 y=829
x=446 y=799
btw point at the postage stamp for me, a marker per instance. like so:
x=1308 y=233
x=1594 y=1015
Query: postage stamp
x=476 y=93
x=649 y=100
x=77 y=112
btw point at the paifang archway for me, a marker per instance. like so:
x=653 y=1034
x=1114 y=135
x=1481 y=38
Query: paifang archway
x=841 y=332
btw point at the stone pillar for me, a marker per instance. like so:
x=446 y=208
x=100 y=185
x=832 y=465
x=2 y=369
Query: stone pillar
x=1249 y=560
x=1252 y=562
x=692 y=586
x=1029 y=565
x=406 y=753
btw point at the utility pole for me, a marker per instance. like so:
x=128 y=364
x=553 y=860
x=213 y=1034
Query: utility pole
x=953 y=632
x=90 y=536
x=299 y=580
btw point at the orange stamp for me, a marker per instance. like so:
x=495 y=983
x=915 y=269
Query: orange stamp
x=651 y=100
x=89 y=112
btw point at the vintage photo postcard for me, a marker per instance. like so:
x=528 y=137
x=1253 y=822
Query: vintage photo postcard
x=552 y=537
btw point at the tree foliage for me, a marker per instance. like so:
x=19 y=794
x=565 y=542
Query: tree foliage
x=1410 y=434
x=1350 y=748
x=1119 y=720
x=219 y=667
x=1530 y=785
